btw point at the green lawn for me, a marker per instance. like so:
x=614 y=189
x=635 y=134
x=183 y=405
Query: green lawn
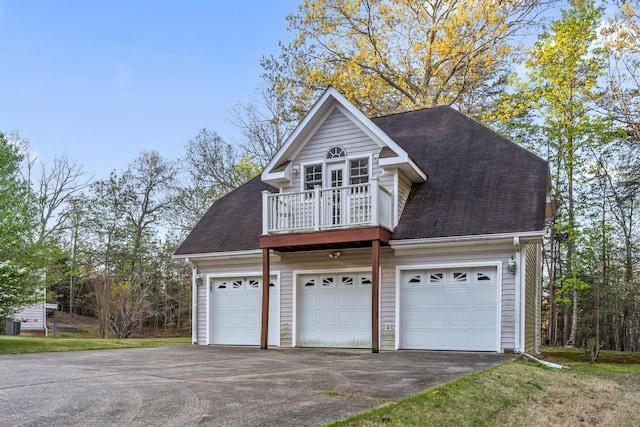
x=10 y=344
x=525 y=394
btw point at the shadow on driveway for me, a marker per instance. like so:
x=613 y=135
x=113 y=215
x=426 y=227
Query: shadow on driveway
x=240 y=386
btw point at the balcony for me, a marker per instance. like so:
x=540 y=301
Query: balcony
x=352 y=206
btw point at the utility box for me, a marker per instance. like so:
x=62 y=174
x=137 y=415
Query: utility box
x=12 y=327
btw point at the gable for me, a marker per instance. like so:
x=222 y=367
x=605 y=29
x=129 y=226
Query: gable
x=336 y=131
x=280 y=169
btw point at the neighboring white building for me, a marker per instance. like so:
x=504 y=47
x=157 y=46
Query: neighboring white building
x=419 y=230
x=33 y=318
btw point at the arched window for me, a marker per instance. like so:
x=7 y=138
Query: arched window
x=336 y=153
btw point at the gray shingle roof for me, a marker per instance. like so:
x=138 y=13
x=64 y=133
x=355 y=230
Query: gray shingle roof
x=479 y=183
x=232 y=223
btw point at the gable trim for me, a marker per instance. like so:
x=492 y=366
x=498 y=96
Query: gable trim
x=330 y=100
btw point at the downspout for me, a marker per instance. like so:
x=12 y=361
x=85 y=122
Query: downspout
x=44 y=310
x=521 y=302
x=194 y=301
x=514 y=268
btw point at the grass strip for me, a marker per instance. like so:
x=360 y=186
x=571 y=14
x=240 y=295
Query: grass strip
x=519 y=393
x=10 y=344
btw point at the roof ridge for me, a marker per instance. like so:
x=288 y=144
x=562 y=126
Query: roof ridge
x=412 y=111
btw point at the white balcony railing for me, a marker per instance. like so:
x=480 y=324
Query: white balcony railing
x=325 y=209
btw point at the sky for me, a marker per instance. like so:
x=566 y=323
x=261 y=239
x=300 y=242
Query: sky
x=100 y=81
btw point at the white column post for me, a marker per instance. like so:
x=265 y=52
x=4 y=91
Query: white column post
x=318 y=211
x=265 y=212
x=374 y=201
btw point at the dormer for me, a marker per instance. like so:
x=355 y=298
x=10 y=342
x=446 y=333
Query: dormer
x=336 y=148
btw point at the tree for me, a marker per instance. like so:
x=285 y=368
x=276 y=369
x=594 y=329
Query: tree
x=128 y=308
x=18 y=256
x=621 y=100
x=211 y=169
x=265 y=123
x=556 y=108
x=56 y=188
x=147 y=186
x=391 y=56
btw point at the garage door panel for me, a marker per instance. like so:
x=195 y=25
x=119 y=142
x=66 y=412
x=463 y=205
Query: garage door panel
x=327 y=319
x=237 y=312
x=436 y=339
x=237 y=300
x=327 y=299
x=308 y=337
x=253 y=335
x=435 y=318
x=484 y=318
x=309 y=299
x=364 y=299
x=347 y=319
x=222 y=299
x=364 y=321
x=414 y=339
x=431 y=298
x=236 y=320
x=347 y=336
x=344 y=310
x=416 y=298
x=460 y=319
x=328 y=336
x=347 y=300
x=484 y=296
x=414 y=318
x=483 y=340
x=364 y=340
x=253 y=319
x=310 y=318
x=254 y=300
x=449 y=309
x=460 y=339
x=459 y=297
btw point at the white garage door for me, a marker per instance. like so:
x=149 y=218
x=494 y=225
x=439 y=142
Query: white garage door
x=334 y=310
x=237 y=311
x=450 y=309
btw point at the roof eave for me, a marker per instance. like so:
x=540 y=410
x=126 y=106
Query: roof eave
x=470 y=240
x=248 y=254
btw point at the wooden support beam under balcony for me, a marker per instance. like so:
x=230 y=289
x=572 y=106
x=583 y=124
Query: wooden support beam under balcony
x=355 y=237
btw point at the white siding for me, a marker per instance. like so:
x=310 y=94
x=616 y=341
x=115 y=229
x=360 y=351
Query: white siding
x=352 y=259
x=202 y=314
x=32 y=318
x=533 y=283
x=404 y=187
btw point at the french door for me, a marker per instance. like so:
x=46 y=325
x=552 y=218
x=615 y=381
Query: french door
x=334 y=201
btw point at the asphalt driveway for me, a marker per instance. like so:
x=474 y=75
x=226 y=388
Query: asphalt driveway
x=196 y=385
